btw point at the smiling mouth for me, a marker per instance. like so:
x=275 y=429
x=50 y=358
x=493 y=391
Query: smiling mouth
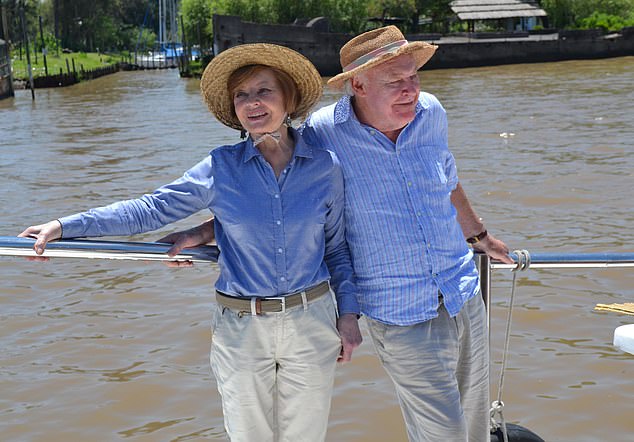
x=256 y=116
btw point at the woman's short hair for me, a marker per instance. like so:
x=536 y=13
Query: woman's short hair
x=285 y=82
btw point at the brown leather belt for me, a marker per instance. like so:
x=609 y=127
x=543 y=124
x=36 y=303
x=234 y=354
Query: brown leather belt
x=256 y=305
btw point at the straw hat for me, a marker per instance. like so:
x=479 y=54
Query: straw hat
x=378 y=46
x=213 y=83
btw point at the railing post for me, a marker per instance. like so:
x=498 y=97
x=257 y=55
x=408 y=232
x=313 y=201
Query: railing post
x=483 y=262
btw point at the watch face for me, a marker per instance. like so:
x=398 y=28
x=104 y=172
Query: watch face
x=477 y=238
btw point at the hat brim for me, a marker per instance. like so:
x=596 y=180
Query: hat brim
x=213 y=84
x=421 y=51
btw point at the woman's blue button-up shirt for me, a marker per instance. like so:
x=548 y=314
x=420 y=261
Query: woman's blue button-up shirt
x=275 y=235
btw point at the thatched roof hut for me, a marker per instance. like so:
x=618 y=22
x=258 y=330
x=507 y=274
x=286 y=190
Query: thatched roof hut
x=475 y=10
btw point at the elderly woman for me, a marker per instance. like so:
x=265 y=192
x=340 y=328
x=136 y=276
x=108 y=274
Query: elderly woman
x=278 y=207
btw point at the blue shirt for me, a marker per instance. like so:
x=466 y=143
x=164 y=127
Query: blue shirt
x=275 y=236
x=401 y=226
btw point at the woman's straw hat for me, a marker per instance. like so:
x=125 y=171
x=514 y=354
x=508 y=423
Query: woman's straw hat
x=378 y=46
x=213 y=84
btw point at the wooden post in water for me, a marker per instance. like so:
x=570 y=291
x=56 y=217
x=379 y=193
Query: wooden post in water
x=3 y=14
x=44 y=51
x=28 y=56
x=186 y=56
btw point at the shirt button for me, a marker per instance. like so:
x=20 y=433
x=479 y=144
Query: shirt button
x=277 y=196
x=278 y=222
x=282 y=279
x=279 y=250
x=409 y=184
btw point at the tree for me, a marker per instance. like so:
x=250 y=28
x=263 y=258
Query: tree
x=347 y=15
x=571 y=13
x=197 y=21
x=258 y=11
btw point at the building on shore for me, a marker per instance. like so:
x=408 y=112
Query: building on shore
x=6 y=82
x=512 y=15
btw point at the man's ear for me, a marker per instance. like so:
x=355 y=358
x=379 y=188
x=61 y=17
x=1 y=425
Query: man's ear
x=358 y=86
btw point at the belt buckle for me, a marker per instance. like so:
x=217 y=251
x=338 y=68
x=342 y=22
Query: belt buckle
x=282 y=300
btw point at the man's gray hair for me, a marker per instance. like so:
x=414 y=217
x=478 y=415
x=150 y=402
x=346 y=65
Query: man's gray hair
x=347 y=87
x=347 y=84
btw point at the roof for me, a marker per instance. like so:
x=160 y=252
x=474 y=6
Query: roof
x=494 y=9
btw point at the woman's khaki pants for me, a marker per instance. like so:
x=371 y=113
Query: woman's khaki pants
x=275 y=371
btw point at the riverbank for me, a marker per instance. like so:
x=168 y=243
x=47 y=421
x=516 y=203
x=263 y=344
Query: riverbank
x=74 y=76
x=454 y=51
x=71 y=68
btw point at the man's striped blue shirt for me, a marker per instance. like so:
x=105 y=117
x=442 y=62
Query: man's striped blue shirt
x=401 y=226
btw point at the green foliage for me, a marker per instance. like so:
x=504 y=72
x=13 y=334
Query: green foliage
x=258 y=11
x=392 y=8
x=347 y=16
x=197 y=21
x=559 y=12
x=343 y=15
x=144 y=39
x=604 y=21
x=577 y=13
x=617 y=8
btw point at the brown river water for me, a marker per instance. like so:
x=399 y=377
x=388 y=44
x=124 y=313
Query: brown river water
x=96 y=350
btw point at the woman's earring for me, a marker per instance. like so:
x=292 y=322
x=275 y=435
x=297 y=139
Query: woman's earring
x=288 y=121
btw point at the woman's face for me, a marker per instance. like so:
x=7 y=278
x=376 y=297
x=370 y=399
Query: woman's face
x=259 y=103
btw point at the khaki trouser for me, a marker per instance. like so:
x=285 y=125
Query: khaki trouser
x=275 y=371
x=441 y=373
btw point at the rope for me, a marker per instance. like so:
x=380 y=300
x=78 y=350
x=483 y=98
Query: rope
x=497 y=406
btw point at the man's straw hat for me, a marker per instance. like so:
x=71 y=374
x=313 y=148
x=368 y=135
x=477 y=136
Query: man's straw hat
x=213 y=83
x=378 y=46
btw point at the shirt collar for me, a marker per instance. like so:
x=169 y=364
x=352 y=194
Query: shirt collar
x=343 y=110
x=302 y=149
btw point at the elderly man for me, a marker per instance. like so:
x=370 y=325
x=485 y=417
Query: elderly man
x=409 y=225
x=407 y=218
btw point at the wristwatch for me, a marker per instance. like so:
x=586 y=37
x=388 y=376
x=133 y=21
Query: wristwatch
x=477 y=238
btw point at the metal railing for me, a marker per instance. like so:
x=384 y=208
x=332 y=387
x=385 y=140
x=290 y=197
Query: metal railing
x=546 y=261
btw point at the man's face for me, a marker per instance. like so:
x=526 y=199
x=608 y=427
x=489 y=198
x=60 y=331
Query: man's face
x=388 y=93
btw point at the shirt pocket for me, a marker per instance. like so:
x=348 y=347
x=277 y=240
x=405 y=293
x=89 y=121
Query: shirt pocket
x=442 y=176
x=429 y=166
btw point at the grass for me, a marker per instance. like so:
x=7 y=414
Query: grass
x=89 y=61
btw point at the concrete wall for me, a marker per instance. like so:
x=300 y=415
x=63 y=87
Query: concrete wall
x=322 y=48
x=483 y=53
